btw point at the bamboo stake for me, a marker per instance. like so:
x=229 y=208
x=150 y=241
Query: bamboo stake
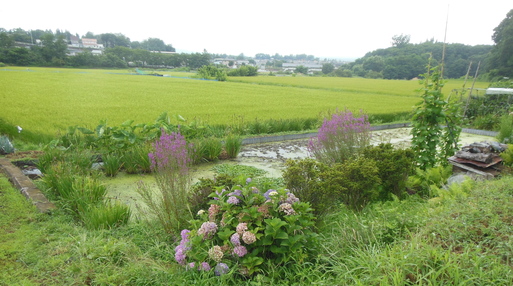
x=472 y=88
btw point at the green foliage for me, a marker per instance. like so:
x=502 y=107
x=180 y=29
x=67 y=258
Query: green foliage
x=74 y=193
x=301 y=69
x=327 y=68
x=232 y=145
x=209 y=148
x=431 y=142
x=236 y=171
x=394 y=165
x=425 y=182
x=486 y=122
x=302 y=178
x=212 y=72
x=244 y=70
x=249 y=232
x=507 y=156
x=112 y=164
x=6 y=146
x=353 y=182
x=105 y=216
x=135 y=159
x=484 y=112
x=505 y=134
x=501 y=57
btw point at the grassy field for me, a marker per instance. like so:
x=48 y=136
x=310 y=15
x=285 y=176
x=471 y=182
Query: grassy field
x=45 y=100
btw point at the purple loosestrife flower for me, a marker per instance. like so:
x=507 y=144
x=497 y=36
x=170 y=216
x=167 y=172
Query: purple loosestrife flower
x=221 y=269
x=207 y=230
x=170 y=154
x=248 y=180
x=240 y=251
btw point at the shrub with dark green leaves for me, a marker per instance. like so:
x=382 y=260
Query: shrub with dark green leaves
x=302 y=178
x=353 y=182
x=394 y=165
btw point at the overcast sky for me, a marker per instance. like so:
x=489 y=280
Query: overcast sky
x=323 y=28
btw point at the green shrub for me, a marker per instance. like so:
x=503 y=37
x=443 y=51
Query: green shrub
x=394 y=165
x=353 y=182
x=486 y=122
x=505 y=134
x=302 y=178
x=232 y=145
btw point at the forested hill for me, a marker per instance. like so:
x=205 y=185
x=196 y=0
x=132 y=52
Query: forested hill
x=406 y=61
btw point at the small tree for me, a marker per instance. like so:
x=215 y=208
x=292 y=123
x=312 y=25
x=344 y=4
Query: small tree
x=327 y=68
x=301 y=69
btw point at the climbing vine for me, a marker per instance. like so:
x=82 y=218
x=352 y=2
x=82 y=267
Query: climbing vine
x=435 y=122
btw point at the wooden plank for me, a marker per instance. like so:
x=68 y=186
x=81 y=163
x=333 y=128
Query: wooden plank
x=470 y=169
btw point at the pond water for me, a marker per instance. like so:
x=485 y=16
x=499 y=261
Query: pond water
x=269 y=157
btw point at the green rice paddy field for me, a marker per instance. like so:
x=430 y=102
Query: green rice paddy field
x=46 y=100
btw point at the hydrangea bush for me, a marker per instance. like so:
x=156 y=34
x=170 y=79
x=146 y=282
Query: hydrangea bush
x=245 y=227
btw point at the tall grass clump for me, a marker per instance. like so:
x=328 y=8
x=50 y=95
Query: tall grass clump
x=506 y=129
x=341 y=138
x=106 y=215
x=232 y=145
x=112 y=164
x=170 y=163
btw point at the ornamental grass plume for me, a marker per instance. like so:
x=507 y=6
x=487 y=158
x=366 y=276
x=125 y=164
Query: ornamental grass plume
x=340 y=138
x=170 y=163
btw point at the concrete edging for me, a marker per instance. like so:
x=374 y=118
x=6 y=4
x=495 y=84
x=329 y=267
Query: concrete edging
x=26 y=186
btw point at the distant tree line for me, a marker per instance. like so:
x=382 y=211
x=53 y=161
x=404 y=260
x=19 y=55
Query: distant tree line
x=46 y=48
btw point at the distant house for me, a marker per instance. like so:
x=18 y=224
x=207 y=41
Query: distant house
x=91 y=43
x=74 y=41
